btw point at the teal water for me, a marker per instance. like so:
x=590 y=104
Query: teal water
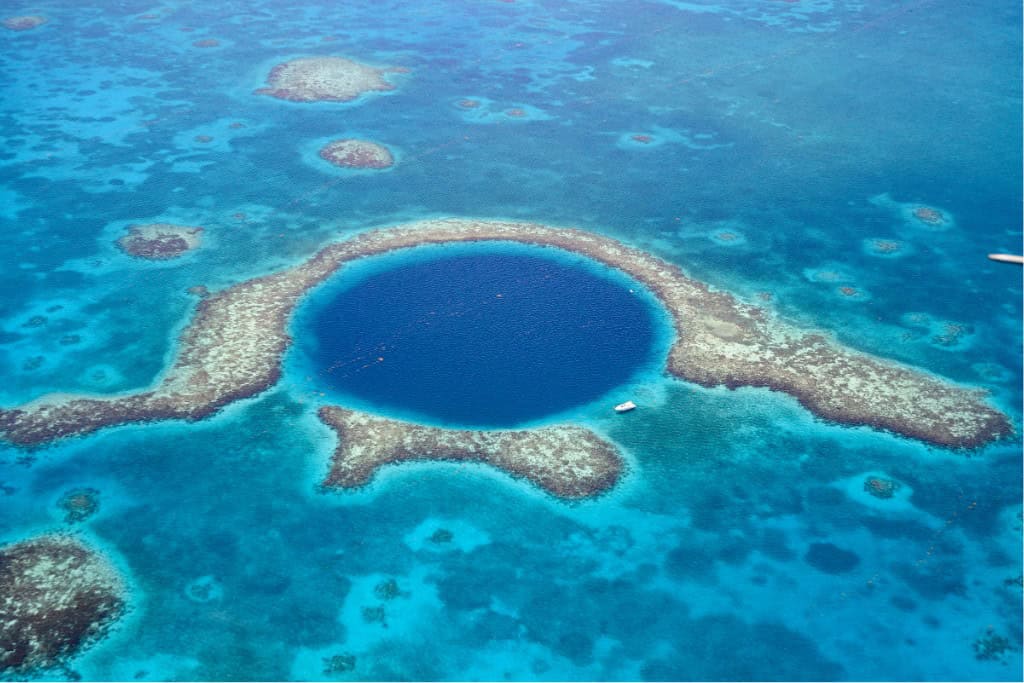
x=785 y=140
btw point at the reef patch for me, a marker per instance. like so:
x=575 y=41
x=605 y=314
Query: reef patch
x=23 y=23
x=79 y=505
x=325 y=79
x=831 y=559
x=57 y=597
x=233 y=347
x=352 y=153
x=159 y=241
x=567 y=461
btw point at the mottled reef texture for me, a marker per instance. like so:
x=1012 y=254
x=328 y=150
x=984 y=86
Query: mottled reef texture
x=325 y=79
x=23 y=23
x=79 y=504
x=233 y=348
x=56 y=597
x=565 y=460
x=351 y=153
x=159 y=241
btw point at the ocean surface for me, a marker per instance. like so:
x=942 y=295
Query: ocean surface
x=486 y=339
x=770 y=148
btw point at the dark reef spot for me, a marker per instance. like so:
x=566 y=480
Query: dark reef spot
x=690 y=561
x=934 y=580
x=992 y=647
x=729 y=650
x=387 y=590
x=375 y=615
x=774 y=545
x=902 y=602
x=831 y=559
x=577 y=646
x=734 y=550
x=441 y=536
x=79 y=504
x=340 y=663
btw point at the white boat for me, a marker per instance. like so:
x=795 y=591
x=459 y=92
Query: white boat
x=625 y=407
x=1007 y=258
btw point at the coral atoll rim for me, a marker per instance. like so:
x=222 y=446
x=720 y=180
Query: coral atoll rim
x=567 y=461
x=233 y=348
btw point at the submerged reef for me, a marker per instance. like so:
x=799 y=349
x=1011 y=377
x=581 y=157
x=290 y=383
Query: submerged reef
x=916 y=215
x=992 y=647
x=879 y=487
x=56 y=597
x=325 y=79
x=159 y=241
x=351 y=153
x=232 y=348
x=339 y=664
x=566 y=460
x=929 y=215
x=79 y=504
x=23 y=23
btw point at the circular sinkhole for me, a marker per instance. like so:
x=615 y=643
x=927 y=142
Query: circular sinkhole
x=478 y=336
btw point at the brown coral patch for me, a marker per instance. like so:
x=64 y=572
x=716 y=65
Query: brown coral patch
x=23 y=23
x=324 y=79
x=159 y=241
x=565 y=460
x=929 y=215
x=351 y=153
x=57 y=597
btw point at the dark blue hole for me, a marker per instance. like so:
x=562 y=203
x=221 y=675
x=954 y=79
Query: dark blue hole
x=489 y=339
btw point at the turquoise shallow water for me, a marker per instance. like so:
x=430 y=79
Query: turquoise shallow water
x=780 y=143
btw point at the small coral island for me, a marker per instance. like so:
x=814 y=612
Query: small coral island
x=57 y=597
x=565 y=460
x=23 y=23
x=233 y=347
x=325 y=79
x=159 y=241
x=351 y=153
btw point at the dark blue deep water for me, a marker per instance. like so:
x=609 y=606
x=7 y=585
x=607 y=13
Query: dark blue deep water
x=488 y=339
